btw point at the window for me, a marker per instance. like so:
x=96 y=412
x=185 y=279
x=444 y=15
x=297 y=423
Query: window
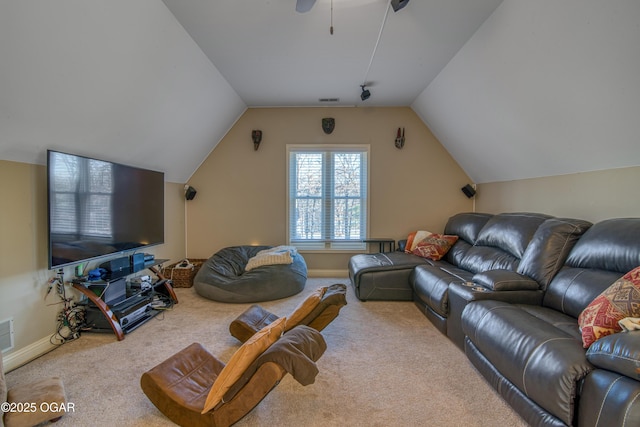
x=328 y=196
x=82 y=191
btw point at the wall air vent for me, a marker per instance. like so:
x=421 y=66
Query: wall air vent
x=329 y=99
x=6 y=334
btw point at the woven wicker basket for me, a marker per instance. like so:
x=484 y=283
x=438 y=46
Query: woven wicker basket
x=182 y=277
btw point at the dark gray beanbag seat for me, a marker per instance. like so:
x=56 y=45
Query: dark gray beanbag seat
x=223 y=277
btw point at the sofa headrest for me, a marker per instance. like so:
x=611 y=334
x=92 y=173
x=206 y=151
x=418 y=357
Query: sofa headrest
x=549 y=248
x=511 y=232
x=467 y=225
x=611 y=245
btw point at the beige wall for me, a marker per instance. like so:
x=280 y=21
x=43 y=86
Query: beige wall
x=241 y=200
x=593 y=196
x=174 y=247
x=242 y=193
x=23 y=256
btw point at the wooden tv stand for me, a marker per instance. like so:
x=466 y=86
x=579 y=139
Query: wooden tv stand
x=161 y=286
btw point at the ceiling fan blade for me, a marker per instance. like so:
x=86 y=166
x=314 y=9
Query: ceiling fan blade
x=303 y=6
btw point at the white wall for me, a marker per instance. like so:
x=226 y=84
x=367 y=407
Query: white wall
x=242 y=196
x=543 y=88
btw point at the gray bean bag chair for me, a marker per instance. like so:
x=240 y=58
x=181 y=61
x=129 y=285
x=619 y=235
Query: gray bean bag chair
x=223 y=277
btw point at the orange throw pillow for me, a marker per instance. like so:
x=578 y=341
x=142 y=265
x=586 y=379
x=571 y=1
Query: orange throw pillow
x=241 y=359
x=620 y=300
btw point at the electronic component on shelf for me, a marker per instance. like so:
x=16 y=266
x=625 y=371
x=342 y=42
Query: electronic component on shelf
x=142 y=283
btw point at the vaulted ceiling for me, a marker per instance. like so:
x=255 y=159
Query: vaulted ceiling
x=273 y=56
x=513 y=89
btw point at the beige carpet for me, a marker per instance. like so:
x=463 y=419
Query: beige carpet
x=385 y=365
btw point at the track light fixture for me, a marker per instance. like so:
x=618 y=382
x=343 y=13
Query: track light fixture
x=365 y=93
x=398 y=4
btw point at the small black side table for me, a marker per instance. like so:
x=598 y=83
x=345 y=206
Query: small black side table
x=382 y=242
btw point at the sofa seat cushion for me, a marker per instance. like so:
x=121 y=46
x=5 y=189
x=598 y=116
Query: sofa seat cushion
x=430 y=284
x=538 y=350
x=560 y=321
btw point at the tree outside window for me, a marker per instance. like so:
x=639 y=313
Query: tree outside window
x=328 y=196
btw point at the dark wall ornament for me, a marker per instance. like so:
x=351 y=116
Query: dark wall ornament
x=400 y=139
x=328 y=124
x=256 y=136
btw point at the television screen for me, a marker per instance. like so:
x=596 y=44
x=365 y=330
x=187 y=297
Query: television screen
x=97 y=208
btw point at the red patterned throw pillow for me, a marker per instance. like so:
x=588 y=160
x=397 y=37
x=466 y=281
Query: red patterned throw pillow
x=620 y=300
x=434 y=246
x=414 y=238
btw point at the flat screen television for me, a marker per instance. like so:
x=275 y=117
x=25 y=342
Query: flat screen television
x=98 y=208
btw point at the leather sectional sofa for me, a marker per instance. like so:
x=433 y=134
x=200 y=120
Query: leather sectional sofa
x=509 y=293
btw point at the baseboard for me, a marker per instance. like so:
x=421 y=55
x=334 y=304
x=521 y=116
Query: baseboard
x=27 y=354
x=328 y=273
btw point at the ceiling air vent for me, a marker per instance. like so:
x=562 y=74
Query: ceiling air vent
x=329 y=99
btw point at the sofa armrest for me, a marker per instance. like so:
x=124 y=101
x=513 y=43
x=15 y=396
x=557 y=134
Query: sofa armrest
x=608 y=398
x=461 y=294
x=618 y=353
x=505 y=280
x=470 y=291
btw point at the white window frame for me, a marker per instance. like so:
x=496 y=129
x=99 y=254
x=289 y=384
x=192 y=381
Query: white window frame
x=326 y=244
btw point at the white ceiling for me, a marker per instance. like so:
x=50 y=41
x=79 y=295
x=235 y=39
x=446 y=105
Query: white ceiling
x=273 y=56
x=119 y=80
x=513 y=89
x=543 y=88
